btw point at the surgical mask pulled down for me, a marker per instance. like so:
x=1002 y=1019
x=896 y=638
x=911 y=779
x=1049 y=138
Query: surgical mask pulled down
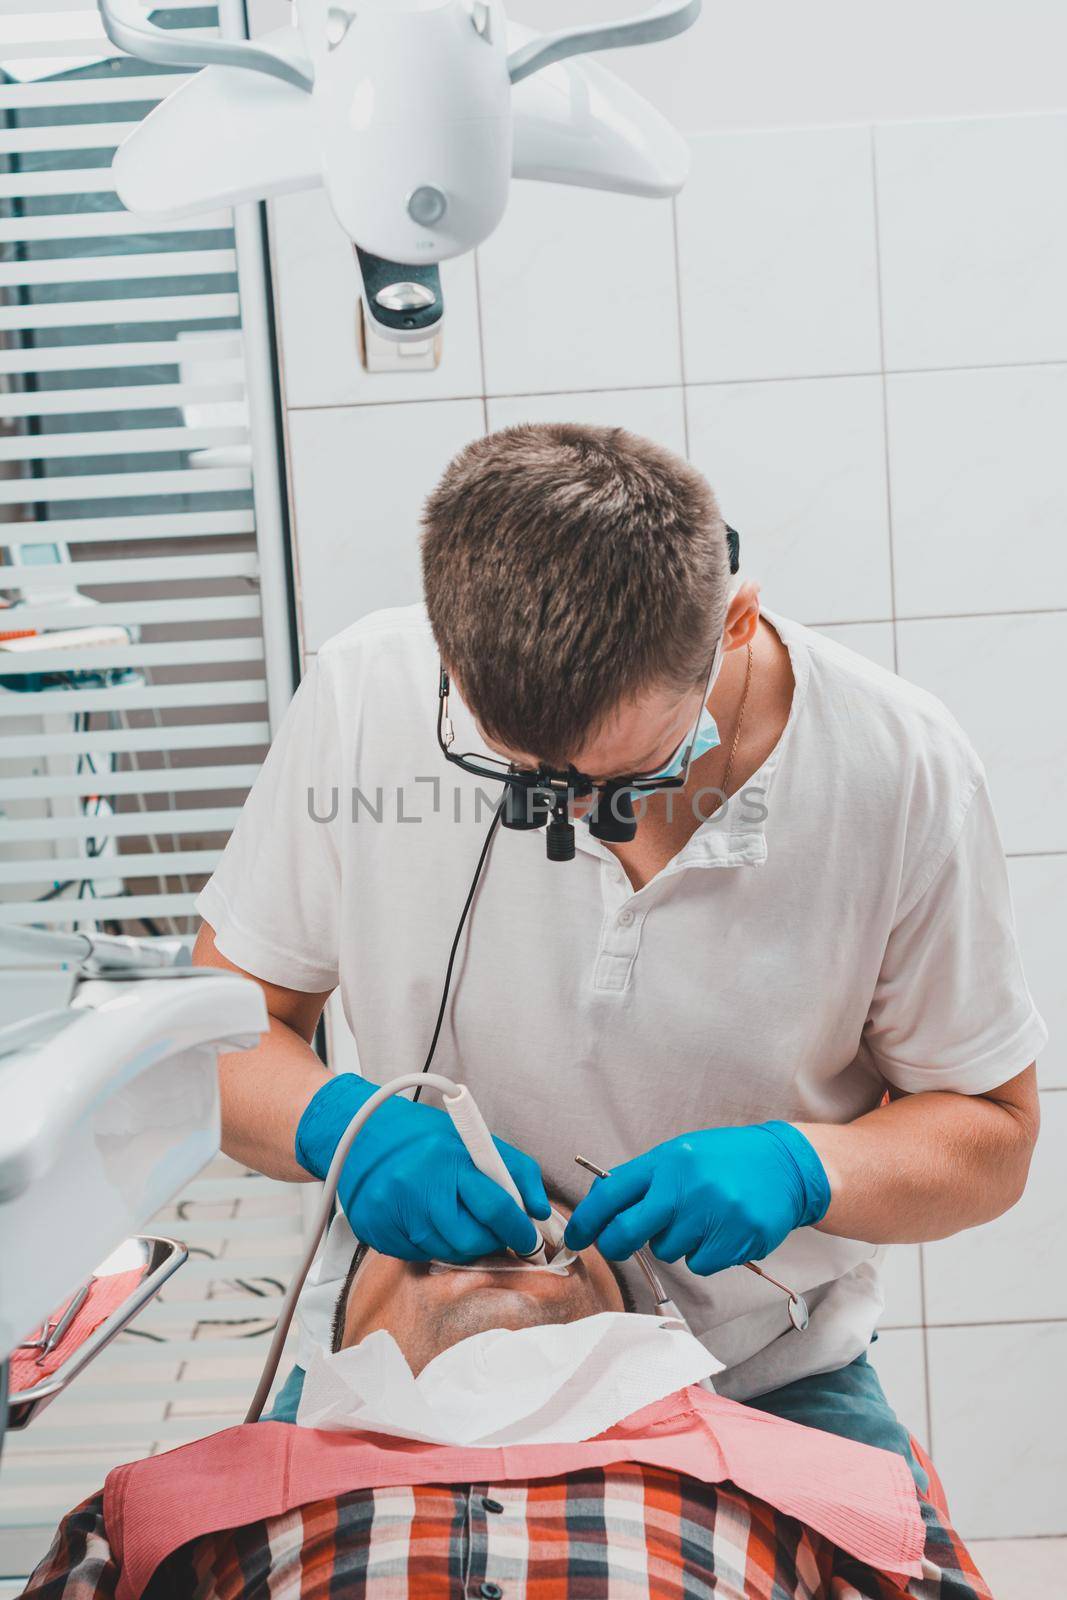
x=705 y=738
x=706 y=734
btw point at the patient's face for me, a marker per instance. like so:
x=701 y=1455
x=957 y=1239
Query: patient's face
x=427 y=1310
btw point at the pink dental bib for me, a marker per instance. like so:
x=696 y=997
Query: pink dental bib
x=860 y=1498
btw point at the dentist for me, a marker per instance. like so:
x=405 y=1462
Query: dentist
x=788 y=1015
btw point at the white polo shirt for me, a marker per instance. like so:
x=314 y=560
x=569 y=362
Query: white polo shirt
x=845 y=925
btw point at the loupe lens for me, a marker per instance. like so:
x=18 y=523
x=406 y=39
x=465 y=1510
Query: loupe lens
x=525 y=806
x=613 y=820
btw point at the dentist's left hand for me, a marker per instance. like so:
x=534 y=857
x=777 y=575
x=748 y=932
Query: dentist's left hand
x=718 y=1197
x=409 y=1188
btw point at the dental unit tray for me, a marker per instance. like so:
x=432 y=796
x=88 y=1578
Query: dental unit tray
x=40 y=970
x=154 y=1261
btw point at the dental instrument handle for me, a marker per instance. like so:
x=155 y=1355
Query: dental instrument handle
x=797 y=1306
x=481 y=1147
x=56 y=1336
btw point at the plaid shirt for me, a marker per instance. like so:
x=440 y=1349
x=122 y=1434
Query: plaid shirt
x=627 y=1532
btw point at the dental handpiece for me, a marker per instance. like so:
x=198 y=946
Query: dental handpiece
x=481 y=1147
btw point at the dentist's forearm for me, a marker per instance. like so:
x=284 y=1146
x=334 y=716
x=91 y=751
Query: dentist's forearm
x=926 y=1166
x=264 y=1091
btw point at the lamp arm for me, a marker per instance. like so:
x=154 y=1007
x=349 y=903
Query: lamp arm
x=662 y=22
x=129 y=29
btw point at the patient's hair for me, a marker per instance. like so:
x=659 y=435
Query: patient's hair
x=564 y=568
x=337 y=1330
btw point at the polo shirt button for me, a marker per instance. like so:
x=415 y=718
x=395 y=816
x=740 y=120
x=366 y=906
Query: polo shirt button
x=625 y=918
x=491 y=1505
x=490 y=1591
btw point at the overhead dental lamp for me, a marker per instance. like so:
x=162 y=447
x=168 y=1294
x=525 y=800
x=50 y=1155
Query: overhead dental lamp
x=414 y=115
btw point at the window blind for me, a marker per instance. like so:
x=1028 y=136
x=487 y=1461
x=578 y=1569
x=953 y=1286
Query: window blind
x=145 y=655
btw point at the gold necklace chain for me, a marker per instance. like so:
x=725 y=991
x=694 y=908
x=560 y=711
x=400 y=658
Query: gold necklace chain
x=737 y=731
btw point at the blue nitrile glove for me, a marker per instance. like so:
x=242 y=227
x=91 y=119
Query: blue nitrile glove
x=408 y=1187
x=716 y=1197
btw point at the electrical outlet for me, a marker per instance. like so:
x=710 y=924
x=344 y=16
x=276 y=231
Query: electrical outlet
x=379 y=354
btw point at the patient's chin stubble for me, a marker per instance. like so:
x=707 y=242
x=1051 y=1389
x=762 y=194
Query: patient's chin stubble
x=487 y=1308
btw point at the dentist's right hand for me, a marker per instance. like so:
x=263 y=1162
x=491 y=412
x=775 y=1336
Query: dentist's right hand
x=408 y=1186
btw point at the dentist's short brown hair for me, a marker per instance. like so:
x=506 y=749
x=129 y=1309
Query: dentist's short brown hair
x=566 y=568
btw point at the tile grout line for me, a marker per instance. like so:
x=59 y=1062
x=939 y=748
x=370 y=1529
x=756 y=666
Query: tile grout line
x=989 y=1322
x=481 y=343
x=885 y=393
x=965 y=616
x=690 y=383
x=679 y=322
x=933 y=616
x=889 y=372
x=1019 y=1538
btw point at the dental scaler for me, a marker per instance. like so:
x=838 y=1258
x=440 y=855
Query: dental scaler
x=481 y=1147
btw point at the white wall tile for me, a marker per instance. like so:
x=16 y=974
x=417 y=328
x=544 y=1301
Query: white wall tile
x=1020 y=1569
x=902 y=1280
x=578 y=291
x=780 y=63
x=359 y=477
x=1011 y=1268
x=799 y=469
x=979 y=489
x=1039 y=893
x=318 y=300
x=973 y=241
x=899 y=1359
x=776 y=255
x=997 y=674
x=997 y=1427
x=656 y=413
x=871 y=639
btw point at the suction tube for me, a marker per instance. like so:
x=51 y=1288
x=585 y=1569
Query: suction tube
x=469 y=1124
